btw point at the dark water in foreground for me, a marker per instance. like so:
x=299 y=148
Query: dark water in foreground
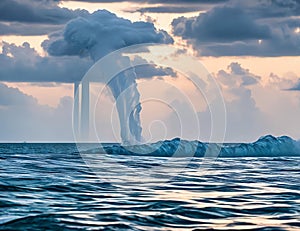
x=49 y=187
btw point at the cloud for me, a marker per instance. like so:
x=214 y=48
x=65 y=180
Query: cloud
x=245 y=120
x=14 y=97
x=290 y=81
x=103 y=32
x=241 y=34
x=171 y=6
x=36 y=12
x=246 y=78
x=168 y=7
x=158 y=1
x=22 y=118
x=271 y=9
x=16 y=28
x=24 y=64
x=258 y=105
x=30 y=17
x=255 y=106
x=100 y=34
x=211 y=26
x=151 y=70
x=253 y=109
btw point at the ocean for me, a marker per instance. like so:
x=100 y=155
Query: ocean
x=51 y=187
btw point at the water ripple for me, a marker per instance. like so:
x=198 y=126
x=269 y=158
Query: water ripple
x=55 y=190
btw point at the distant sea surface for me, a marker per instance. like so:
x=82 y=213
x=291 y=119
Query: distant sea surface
x=50 y=187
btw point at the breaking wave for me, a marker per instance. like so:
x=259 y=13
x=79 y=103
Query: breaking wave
x=266 y=146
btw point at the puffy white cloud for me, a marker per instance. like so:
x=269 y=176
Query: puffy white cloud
x=255 y=106
x=245 y=120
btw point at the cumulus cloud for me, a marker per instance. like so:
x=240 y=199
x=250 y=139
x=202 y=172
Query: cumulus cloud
x=234 y=31
x=244 y=119
x=255 y=106
x=102 y=32
x=239 y=76
x=24 y=64
x=95 y=35
x=258 y=105
x=14 y=97
x=287 y=82
x=22 y=118
x=151 y=70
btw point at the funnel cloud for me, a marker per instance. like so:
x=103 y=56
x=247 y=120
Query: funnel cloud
x=99 y=34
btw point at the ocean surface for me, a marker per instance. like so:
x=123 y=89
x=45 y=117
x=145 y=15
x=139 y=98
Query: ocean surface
x=51 y=187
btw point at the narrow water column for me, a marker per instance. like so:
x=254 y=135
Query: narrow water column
x=76 y=112
x=85 y=110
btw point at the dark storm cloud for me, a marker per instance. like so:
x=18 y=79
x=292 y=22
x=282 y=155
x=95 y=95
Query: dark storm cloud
x=15 y=28
x=268 y=48
x=274 y=8
x=24 y=64
x=219 y=25
x=101 y=33
x=36 y=12
x=32 y=17
x=231 y=31
x=169 y=9
x=84 y=37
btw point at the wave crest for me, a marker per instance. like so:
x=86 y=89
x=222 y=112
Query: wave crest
x=266 y=146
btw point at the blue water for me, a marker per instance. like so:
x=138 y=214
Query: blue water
x=50 y=187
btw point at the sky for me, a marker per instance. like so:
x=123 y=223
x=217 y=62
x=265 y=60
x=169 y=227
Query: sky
x=251 y=48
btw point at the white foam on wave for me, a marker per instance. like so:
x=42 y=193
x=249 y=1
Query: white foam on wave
x=266 y=146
